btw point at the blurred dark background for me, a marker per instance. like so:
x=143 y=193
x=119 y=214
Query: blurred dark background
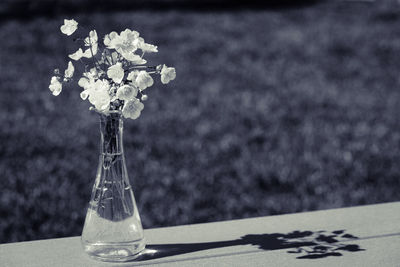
x=277 y=107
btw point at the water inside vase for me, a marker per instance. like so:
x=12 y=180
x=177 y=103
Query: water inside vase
x=112 y=240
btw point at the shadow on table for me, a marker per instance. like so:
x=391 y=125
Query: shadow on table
x=307 y=244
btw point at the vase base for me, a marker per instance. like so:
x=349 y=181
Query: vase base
x=115 y=252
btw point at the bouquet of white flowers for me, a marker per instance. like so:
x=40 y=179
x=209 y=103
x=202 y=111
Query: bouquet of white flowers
x=115 y=74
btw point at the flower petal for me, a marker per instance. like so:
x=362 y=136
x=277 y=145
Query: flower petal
x=69 y=72
x=133 y=58
x=55 y=86
x=108 y=39
x=90 y=51
x=77 y=55
x=167 y=74
x=83 y=82
x=69 y=26
x=116 y=72
x=92 y=39
x=144 y=80
x=132 y=75
x=132 y=109
x=126 y=92
x=99 y=96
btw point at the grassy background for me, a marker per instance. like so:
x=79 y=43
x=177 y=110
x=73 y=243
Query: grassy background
x=272 y=111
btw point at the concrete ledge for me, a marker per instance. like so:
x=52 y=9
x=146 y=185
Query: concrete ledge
x=357 y=236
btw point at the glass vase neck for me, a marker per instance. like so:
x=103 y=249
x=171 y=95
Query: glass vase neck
x=111 y=129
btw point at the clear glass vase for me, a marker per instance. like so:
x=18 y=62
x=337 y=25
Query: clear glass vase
x=112 y=230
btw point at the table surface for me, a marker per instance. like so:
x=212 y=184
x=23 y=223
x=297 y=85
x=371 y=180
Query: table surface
x=356 y=236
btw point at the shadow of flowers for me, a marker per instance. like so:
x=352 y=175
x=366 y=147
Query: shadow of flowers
x=307 y=244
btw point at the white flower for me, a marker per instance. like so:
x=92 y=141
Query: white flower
x=148 y=48
x=55 y=86
x=87 y=54
x=133 y=58
x=126 y=92
x=69 y=72
x=92 y=39
x=116 y=72
x=132 y=75
x=126 y=44
x=98 y=94
x=77 y=55
x=87 y=84
x=143 y=80
x=92 y=42
x=69 y=27
x=83 y=82
x=87 y=81
x=132 y=109
x=108 y=39
x=125 y=41
x=167 y=74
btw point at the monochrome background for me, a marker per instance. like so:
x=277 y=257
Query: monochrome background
x=277 y=108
